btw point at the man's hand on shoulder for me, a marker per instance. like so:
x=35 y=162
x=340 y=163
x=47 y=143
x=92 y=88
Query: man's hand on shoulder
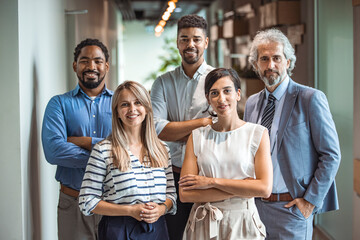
x=207 y=121
x=83 y=142
x=305 y=207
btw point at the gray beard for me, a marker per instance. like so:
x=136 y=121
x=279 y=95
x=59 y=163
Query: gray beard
x=269 y=82
x=272 y=81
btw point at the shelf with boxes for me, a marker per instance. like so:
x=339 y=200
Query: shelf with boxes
x=232 y=35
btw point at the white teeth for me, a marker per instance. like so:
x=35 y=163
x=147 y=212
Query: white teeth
x=132 y=116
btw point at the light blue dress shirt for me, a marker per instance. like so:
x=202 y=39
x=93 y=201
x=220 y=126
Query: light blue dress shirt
x=279 y=94
x=74 y=114
x=175 y=98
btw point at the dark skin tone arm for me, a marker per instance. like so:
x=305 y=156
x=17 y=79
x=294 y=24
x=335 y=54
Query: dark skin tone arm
x=83 y=142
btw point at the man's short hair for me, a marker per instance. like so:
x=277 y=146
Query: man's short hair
x=192 y=21
x=272 y=35
x=90 y=42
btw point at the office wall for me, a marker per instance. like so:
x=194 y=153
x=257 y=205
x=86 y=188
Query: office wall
x=11 y=207
x=32 y=65
x=41 y=75
x=34 y=53
x=335 y=68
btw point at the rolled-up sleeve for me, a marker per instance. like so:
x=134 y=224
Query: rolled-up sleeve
x=92 y=185
x=158 y=100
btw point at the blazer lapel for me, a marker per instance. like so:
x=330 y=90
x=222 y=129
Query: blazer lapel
x=256 y=113
x=290 y=99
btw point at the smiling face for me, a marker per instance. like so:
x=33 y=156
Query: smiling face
x=223 y=97
x=91 y=67
x=130 y=110
x=272 y=65
x=192 y=43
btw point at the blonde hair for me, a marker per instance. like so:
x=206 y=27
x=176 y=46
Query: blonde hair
x=152 y=146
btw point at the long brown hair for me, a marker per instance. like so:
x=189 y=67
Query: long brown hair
x=153 y=148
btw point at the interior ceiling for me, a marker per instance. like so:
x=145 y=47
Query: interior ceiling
x=153 y=10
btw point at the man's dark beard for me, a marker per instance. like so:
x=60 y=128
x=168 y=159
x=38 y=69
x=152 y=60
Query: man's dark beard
x=194 y=60
x=90 y=84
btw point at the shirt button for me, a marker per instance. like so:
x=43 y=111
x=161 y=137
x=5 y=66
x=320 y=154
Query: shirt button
x=94 y=132
x=94 y=115
x=145 y=182
x=142 y=169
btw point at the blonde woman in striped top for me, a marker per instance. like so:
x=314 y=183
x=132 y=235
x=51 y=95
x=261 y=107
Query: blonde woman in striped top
x=128 y=178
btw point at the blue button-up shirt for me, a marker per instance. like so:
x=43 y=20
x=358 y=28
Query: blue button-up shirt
x=279 y=185
x=74 y=114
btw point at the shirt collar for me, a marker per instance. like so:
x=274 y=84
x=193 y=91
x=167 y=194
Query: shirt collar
x=77 y=90
x=280 y=90
x=200 y=71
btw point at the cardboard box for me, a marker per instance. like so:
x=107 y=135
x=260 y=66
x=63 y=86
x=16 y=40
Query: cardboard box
x=254 y=25
x=216 y=32
x=294 y=34
x=262 y=16
x=228 y=28
x=237 y=27
x=280 y=13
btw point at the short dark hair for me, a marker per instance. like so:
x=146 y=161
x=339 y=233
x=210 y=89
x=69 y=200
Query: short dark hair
x=218 y=73
x=90 y=42
x=192 y=21
x=215 y=75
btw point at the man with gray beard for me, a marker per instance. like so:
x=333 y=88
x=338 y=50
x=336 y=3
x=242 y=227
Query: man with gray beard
x=304 y=143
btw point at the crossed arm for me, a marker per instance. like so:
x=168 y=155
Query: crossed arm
x=180 y=131
x=195 y=188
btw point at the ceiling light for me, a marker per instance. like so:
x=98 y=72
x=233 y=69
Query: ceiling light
x=166 y=16
x=158 y=28
x=162 y=23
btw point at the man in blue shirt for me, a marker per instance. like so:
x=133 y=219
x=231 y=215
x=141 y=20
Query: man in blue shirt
x=73 y=123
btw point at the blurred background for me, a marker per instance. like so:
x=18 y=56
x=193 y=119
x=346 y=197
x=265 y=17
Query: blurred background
x=38 y=38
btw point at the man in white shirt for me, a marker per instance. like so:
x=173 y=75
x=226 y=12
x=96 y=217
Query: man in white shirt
x=179 y=104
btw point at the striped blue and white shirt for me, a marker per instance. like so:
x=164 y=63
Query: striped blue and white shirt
x=139 y=184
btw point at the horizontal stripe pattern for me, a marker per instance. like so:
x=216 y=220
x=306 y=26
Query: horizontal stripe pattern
x=139 y=184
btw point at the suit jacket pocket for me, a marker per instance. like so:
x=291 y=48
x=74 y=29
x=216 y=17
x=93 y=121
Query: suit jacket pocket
x=297 y=124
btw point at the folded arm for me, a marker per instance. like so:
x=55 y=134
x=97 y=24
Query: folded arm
x=259 y=187
x=171 y=130
x=190 y=168
x=57 y=149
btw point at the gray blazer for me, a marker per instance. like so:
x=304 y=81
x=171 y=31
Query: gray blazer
x=308 y=144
